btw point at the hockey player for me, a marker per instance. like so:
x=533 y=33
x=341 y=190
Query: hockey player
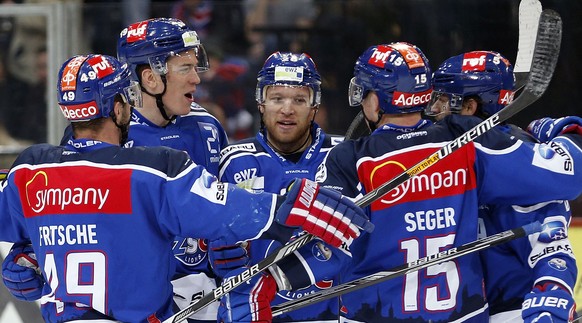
x=481 y=83
x=97 y=213
x=437 y=209
x=165 y=57
x=288 y=145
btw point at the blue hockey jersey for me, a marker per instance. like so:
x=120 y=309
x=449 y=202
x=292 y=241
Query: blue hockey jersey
x=437 y=210
x=526 y=262
x=254 y=165
x=202 y=137
x=102 y=219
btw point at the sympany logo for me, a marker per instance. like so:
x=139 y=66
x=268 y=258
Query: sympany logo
x=39 y=199
x=70 y=190
x=439 y=180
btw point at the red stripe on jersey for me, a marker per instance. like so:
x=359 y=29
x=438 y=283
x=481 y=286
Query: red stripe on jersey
x=454 y=176
x=74 y=190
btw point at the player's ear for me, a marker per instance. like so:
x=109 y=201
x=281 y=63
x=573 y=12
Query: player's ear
x=118 y=107
x=373 y=101
x=472 y=107
x=149 y=79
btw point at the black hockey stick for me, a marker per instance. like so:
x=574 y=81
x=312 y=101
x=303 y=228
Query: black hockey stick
x=358 y=127
x=412 y=266
x=529 y=16
x=544 y=61
x=528 y=20
x=543 y=64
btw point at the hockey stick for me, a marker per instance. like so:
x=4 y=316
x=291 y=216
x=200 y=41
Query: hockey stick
x=544 y=61
x=412 y=266
x=529 y=16
x=358 y=128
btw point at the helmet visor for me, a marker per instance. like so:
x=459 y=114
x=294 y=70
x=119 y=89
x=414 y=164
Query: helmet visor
x=356 y=93
x=132 y=95
x=182 y=63
x=442 y=103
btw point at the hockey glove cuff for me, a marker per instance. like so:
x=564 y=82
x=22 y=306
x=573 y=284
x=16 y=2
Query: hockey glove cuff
x=546 y=129
x=249 y=302
x=322 y=212
x=225 y=258
x=21 y=274
x=549 y=303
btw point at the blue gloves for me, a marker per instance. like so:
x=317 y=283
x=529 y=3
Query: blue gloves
x=322 y=212
x=546 y=129
x=21 y=274
x=225 y=258
x=548 y=303
x=250 y=302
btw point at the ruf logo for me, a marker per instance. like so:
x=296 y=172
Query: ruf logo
x=69 y=78
x=101 y=66
x=380 y=56
x=137 y=31
x=474 y=61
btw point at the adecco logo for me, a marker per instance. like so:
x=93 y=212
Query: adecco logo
x=402 y=99
x=82 y=111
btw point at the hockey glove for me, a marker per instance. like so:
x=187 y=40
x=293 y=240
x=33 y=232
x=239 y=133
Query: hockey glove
x=21 y=274
x=323 y=212
x=315 y=262
x=225 y=258
x=546 y=129
x=548 y=303
x=250 y=302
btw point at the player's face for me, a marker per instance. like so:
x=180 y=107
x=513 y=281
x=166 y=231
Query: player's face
x=182 y=80
x=440 y=107
x=287 y=114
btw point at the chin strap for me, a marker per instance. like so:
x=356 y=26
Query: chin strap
x=374 y=125
x=124 y=128
x=159 y=102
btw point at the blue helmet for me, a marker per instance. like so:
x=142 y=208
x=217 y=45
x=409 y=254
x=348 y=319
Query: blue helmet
x=153 y=41
x=485 y=74
x=88 y=84
x=400 y=75
x=292 y=70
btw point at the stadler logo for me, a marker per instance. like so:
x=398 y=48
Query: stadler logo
x=411 y=99
x=70 y=190
x=81 y=111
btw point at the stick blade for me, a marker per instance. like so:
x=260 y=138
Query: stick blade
x=546 y=52
x=529 y=16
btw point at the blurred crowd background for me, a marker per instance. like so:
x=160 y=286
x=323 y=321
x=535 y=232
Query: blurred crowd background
x=239 y=34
